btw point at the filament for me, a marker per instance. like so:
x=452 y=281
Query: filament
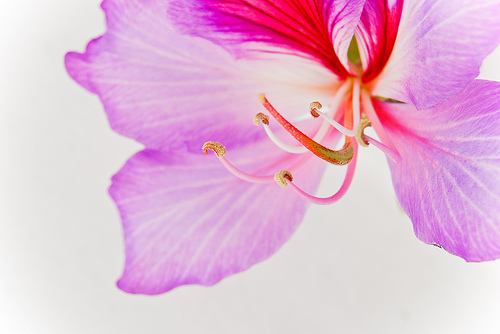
x=216 y=147
x=342 y=129
x=389 y=149
x=337 y=100
x=284 y=146
x=370 y=112
x=393 y=155
x=339 y=194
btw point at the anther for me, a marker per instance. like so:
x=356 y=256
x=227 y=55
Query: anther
x=282 y=177
x=218 y=148
x=260 y=117
x=314 y=107
x=365 y=140
x=360 y=135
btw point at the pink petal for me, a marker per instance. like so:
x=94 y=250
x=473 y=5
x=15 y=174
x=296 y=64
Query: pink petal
x=439 y=49
x=167 y=90
x=319 y=29
x=449 y=179
x=376 y=34
x=187 y=220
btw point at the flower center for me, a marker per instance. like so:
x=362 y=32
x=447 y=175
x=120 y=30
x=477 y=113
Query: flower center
x=354 y=123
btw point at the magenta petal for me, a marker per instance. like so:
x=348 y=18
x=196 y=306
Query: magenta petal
x=187 y=220
x=439 y=49
x=449 y=179
x=376 y=34
x=167 y=90
x=319 y=29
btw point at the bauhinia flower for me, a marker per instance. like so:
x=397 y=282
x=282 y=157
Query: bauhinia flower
x=181 y=75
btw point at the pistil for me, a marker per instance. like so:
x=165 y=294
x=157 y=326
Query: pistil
x=315 y=112
x=340 y=157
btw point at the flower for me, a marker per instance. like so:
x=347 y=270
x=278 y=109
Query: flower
x=177 y=75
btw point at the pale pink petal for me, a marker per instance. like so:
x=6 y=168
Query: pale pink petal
x=449 y=179
x=439 y=49
x=166 y=90
x=321 y=29
x=187 y=220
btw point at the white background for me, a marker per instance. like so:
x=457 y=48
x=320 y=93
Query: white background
x=353 y=267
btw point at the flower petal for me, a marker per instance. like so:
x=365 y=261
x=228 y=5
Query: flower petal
x=376 y=34
x=319 y=29
x=439 y=49
x=167 y=90
x=449 y=179
x=187 y=220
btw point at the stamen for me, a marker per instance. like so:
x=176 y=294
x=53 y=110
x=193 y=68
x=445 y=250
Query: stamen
x=360 y=135
x=314 y=106
x=342 y=129
x=319 y=136
x=372 y=116
x=337 y=99
x=282 y=177
x=340 y=157
x=285 y=147
x=339 y=95
x=365 y=140
x=335 y=197
x=221 y=151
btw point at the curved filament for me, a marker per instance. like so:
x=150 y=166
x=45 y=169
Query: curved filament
x=220 y=151
x=339 y=194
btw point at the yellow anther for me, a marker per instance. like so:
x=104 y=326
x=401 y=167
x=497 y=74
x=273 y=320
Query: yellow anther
x=260 y=117
x=218 y=148
x=360 y=136
x=313 y=108
x=282 y=177
x=262 y=98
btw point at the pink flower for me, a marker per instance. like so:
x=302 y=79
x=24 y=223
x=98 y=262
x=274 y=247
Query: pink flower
x=175 y=74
